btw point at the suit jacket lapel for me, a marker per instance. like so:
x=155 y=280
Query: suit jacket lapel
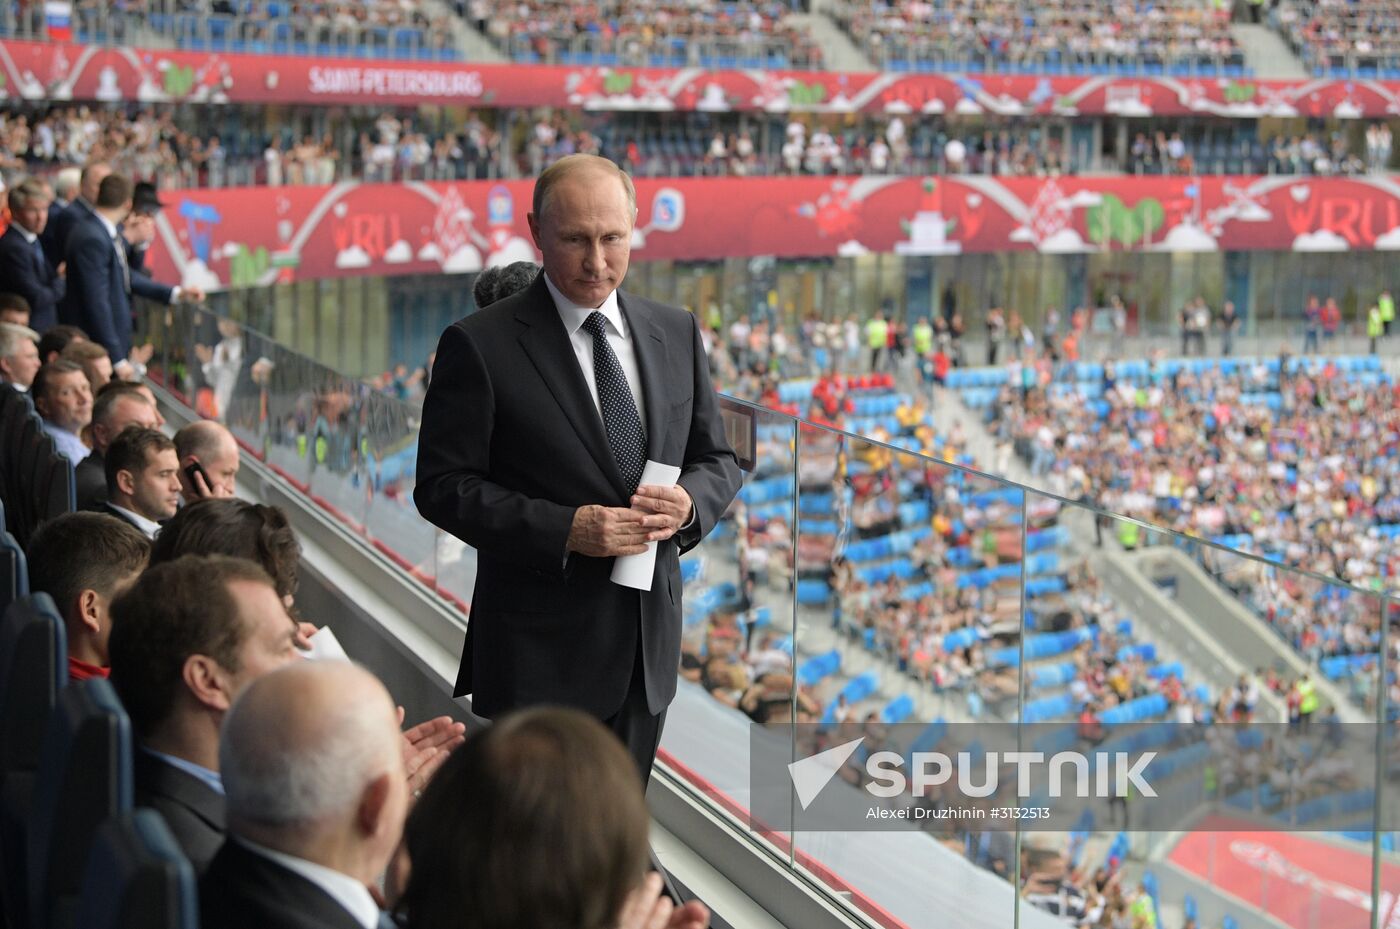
x=651 y=362
x=170 y=782
x=548 y=346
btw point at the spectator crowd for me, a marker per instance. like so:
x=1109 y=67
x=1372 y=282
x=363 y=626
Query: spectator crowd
x=1064 y=34
x=642 y=33
x=1337 y=37
x=173 y=151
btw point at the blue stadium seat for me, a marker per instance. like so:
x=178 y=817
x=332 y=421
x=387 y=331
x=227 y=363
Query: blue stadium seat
x=898 y=710
x=137 y=877
x=819 y=667
x=33 y=669
x=14 y=572
x=84 y=778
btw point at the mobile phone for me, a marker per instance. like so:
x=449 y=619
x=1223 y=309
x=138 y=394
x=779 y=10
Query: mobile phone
x=193 y=468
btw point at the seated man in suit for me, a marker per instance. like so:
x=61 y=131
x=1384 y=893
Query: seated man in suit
x=186 y=639
x=119 y=404
x=83 y=561
x=314 y=776
x=23 y=266
x=213 y=448
x=19 y=355
x=143 y=486
x=64 y=400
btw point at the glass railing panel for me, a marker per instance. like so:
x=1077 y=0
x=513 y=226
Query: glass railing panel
x=909 y=636
x=738 y=645
x=1252 y=687
x=1384 y=840
x=1009 y=620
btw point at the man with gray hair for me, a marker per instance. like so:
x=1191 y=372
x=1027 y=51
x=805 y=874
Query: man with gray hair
x=19 y=355
x=65 y=187
x=313 y=773
x=23 y=267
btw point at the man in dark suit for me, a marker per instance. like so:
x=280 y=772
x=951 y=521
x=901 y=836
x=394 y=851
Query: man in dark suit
x=23 y=266
x=81 y=207
x=143 y=478
x=541 y=413
x=314 y=777
x=98 y=297
x=186 y=639
x=118 y=404
x=137 y=230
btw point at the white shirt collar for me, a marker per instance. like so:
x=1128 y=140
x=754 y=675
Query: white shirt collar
x=574 y=315
x=148 y=527
x=110 y=226
x=29 y=237
x=353 y=896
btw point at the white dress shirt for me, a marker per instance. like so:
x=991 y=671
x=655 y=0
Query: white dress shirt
x=349 y=893
x=148 y=527
x=618 y=337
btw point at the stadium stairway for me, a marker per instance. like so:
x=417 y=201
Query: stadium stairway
x=1267 y=53
x=471 y=45
x=838 y=51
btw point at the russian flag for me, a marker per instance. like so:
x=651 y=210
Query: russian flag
x=58 y=19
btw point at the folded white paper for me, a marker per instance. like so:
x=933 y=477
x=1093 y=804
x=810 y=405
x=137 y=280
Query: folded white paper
x=325 y=647
x=636 y=571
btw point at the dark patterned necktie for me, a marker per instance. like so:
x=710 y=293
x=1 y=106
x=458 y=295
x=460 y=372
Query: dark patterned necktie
x=620 y=419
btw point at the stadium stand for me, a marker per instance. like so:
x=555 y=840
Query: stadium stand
x=652 y=33
x=1181 y=37
x=1343 y=39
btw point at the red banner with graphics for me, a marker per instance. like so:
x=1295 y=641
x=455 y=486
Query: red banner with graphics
x=46 y=71
x=248 y=236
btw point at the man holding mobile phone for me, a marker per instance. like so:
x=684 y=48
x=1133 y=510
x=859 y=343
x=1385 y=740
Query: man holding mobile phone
x=209 y=461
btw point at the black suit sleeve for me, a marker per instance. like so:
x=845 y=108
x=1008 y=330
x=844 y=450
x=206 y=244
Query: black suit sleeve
x=143 y=286
x=455 y=490
x=711 y=472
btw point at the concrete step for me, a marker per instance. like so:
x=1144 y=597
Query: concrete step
x=472 y=44
x=1267 y=53
x=839 y=53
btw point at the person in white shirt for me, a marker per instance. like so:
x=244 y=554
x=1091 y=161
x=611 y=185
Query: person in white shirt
x=143 y=478
x=222 y=364
x=316 y=796
x=879 y=157
x=63 y=397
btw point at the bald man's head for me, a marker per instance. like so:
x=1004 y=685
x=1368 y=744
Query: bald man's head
x=311 y=758
x=215 y=449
